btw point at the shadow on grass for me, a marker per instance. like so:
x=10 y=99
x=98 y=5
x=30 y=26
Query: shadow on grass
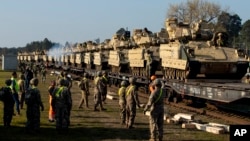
x=74 y=134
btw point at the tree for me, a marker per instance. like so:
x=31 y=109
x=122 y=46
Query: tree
x=245 y=33
x=230 y=24
x=194 y=10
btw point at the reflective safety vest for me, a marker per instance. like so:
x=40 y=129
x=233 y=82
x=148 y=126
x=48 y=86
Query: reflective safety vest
x=130 y=88
x=120 y=90
x=16 y=87
x=158 y=98
x=58 y=92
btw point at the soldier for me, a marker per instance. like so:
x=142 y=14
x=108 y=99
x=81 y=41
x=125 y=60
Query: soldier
x=149 y=63
x=105 y=88
x=8 y=102
x=43 y=73
x=14 y=87
x=33 y=102
x=84 y=86
x=156 y=105
x=132 y=102
x=28 y=76
x=98 y=91
x=122 y=101
x=51 y=110
x=21 y=90
x=61 y=101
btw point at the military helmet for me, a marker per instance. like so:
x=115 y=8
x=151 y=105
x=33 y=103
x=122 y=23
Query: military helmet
x=99 y=73
x=157 y=82
x=104 y=72
x=123 y=83
x=8 y=82
x=61 y=82
x=85 y=74
x=34 y=81
x=132 y=80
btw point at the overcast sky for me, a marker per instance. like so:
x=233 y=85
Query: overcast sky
x=24 y=21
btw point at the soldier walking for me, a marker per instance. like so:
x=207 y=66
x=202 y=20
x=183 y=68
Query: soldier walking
x=61 y=101
x=33 y=102
x=21 y=90
x=84 y=86
x=98 y=92
x=122 y=101
x=156 y=106
x=132 y=102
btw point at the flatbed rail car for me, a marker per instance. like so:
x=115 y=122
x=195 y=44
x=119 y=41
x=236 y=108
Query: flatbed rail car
x=216 y=92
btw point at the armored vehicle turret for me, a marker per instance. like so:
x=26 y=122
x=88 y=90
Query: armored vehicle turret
x=195 y=51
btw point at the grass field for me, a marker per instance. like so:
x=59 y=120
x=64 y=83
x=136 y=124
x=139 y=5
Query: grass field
x=87 y=125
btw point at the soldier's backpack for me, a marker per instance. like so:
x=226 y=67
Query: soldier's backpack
x=82 y=85
x=30 y=96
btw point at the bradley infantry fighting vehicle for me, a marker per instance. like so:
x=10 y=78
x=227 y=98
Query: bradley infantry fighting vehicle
x=195 y=51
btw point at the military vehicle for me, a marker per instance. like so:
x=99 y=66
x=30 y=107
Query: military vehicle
x=196 y=52
x=144 y=57
x=118 y=56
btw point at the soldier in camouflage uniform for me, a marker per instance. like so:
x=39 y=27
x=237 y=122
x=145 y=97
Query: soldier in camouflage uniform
x=149 y=63
x=61 y=101
x=156 y=106
x=68 y=84
x=99 y=86
x=122 y=101
x=105 y=88
x=33 y=108
x=132 y=102
x=8 y=102
x=85 y=91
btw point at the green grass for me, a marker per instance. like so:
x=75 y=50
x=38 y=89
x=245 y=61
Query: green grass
x=87 y=125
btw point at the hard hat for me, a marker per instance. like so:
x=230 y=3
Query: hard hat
x=34 y=81
x=8 y=82
x=157 y=82
x=132 y=80
x=153 y=77
x=123 y=83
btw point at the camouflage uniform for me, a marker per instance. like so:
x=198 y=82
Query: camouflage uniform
x=14 y=87
x=105 y=87
x=21 y=90
x=122 y=101
x=33 y=109
x=149 y=63
x=156 y=105
x=61 y=101
x=99 y=86
x=132 y=101
x=85 y=92
x=8 y=102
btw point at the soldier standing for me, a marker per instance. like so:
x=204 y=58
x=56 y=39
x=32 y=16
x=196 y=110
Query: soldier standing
x=21 y=90
x=98 y=91
x=122 y=101
x=84 y=86
x=51 y=110
x=61 y=101
x=33 y=102
x=132 y=102
x=105 y=87
x=14 y=87
x=156 y=105
x=149 y=60
x=8 y=102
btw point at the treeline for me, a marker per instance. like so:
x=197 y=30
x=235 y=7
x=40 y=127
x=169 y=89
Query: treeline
x=30 y=47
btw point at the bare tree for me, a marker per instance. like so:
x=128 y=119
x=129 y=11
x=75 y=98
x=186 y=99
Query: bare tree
x=194 y=10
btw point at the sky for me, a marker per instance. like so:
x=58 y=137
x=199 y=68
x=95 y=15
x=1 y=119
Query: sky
x=74 y=21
